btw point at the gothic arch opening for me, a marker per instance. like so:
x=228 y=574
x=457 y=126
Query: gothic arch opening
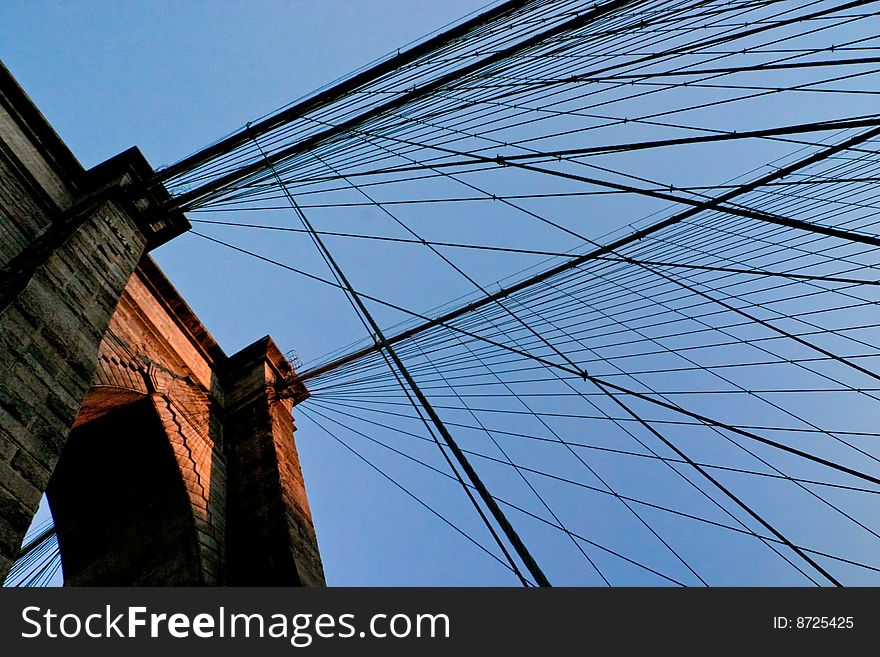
x=121 y=511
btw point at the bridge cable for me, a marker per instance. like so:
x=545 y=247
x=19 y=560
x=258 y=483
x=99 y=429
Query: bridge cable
x=497 y=513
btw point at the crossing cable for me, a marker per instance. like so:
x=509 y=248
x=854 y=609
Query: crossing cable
x=718 y=202
x=577 y=373
x=526 y=325
x=467 y=489
x=373 y=73
x=596 y=12
x=507 y=503
x=674 y=280
x=512 y=563
x=409 y=493
x=751 y=453
x=233 y=206
x=493 y=102
x=670 y=52
x=719 y=485
x=335 y=405
x=555 y=155
x=857 y=340
x=784 y=22
x=458 y=269
x=642 y=421
x=552 y=254
x=446 y=128
x=742 y=530
x=710 y=204
x=511 y=463
x=382 y=342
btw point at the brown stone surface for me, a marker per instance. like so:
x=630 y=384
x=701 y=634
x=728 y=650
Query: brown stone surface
x=165 y=462
x=50 y=334
x=120 y=506
x=271 y=536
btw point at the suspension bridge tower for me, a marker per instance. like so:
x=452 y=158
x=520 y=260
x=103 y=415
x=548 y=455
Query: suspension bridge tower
x=165 y=461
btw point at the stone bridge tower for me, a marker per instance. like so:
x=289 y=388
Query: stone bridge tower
x=165 y=461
